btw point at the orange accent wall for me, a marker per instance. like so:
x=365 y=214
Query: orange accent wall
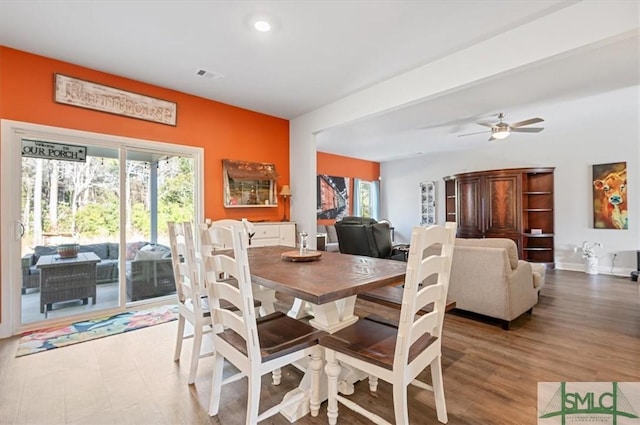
x=342 y=166
x=224 y=131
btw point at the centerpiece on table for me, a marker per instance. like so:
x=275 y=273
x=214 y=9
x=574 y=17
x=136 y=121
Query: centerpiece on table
x=68 y=250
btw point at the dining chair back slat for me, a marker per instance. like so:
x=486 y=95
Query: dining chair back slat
x=192 y=301
x=397 y=354
x=254 y=346
x=265 y=297
x=220 y=266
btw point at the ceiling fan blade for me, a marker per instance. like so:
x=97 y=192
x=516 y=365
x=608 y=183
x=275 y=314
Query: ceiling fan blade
x=526 y=122
x=469 y=134
x=527 y=130
x=491 y=139
x=486 y=124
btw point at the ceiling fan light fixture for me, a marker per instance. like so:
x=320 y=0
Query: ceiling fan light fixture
x=262 y=25
x=502 y=130
x=501 y=133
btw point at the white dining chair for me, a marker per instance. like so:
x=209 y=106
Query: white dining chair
x=398 y=353
x=192 y=299
x=254 y=346
x=264 y=297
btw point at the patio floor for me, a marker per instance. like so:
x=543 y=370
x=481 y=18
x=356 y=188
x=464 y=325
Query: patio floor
x=106 y=297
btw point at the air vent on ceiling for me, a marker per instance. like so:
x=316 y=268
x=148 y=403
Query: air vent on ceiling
x=209 y=75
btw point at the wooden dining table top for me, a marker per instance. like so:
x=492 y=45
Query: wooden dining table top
x=333 y=277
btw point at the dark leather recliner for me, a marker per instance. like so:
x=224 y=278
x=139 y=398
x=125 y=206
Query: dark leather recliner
x=364 y=236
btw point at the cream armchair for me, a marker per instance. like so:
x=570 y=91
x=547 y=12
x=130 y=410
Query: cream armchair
x=487 y=278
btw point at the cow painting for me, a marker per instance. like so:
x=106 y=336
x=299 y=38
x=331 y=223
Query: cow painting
x=610 y=196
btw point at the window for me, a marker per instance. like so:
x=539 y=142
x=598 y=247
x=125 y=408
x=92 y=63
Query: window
x=366 y=198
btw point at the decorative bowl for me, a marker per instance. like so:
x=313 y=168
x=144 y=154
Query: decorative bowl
x=68 y=250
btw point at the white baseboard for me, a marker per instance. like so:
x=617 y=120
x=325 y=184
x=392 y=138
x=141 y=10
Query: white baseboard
x=605 y=269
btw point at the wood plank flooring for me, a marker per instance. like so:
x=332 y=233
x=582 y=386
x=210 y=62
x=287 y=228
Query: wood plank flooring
x=585 y=328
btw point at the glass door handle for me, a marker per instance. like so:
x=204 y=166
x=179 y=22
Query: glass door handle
x=20 y=230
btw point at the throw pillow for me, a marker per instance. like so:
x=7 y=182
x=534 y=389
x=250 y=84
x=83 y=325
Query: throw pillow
x=163 y=250
x=147 y=255
x=133 y=248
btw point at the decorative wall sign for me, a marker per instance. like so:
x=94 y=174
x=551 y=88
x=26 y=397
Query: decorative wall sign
x=85 y=94
x=610 y=196
x=428 y=203
x=48 y=150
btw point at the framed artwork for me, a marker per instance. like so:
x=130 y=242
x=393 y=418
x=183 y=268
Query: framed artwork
x=610 y=196
x=332 y=197
x=249 y=184
x=427 y=203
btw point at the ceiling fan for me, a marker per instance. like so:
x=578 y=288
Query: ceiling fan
x=502 y=130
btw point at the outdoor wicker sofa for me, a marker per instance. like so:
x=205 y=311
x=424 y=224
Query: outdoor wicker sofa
x=107 y=268
x=148 y=274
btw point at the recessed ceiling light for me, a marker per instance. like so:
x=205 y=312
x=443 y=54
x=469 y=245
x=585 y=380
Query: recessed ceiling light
x=262 y=26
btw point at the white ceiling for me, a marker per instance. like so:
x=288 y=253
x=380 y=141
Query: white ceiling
x=319 y=52
x=435 y=125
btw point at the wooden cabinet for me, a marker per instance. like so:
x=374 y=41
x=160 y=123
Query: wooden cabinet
x=512 y=203
x=450 y=198
x=488 y=206
x=270 y=234
x=537 y=216
x=469 y=211
x=502 y=207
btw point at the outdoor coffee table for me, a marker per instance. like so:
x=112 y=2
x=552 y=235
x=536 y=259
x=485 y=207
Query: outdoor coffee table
x=65 y=279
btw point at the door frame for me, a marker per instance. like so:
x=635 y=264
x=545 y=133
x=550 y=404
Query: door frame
x=11 y=135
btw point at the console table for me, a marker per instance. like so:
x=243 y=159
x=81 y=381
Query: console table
x=65 y=279
x=274 y=233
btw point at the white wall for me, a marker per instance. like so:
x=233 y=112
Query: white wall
x=576 y=26
x=594 y=130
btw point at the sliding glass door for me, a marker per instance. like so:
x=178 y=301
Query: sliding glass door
x=85 y=222
x=159 y=190
x=71 y=229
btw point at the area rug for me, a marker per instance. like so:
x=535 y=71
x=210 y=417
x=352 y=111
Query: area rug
x=75 y=333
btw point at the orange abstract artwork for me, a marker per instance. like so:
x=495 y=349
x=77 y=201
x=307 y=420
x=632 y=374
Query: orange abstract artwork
x=610 y=196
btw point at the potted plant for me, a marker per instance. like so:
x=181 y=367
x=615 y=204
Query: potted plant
x=590 y=255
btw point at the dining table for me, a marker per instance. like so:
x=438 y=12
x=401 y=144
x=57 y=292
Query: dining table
x=329 y=285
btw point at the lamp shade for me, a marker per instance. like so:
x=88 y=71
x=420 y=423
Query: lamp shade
x=285 y=191
x=501 y=134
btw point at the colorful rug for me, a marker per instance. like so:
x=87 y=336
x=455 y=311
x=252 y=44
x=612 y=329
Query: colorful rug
x=75 y=333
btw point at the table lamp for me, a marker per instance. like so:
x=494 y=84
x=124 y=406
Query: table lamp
x=285 y=192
